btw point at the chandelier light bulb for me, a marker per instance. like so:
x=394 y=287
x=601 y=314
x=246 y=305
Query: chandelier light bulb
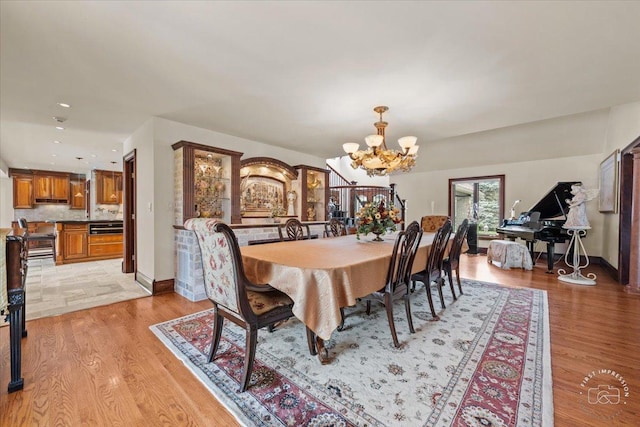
x=407 y=141
x=350 y=147
x=374 y=140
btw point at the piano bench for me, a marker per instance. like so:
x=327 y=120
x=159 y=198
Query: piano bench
x=508 y=254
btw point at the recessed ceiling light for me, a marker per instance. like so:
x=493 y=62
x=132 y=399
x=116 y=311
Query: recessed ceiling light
x=56 y=142
x=114 y=150
x=53 y=163
x=64 y=105
x=93 y=155
x=54 y=155
x=59 y=128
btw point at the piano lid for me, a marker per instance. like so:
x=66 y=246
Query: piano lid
x=554 y=204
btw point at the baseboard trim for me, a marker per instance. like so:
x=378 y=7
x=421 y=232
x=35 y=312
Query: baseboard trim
x=163 y=286
x=145 y=281
x=610 y=269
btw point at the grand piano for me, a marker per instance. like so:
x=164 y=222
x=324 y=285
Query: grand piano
x=543 y=221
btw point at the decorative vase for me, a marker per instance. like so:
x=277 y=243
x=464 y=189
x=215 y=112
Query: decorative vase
x=378 y=233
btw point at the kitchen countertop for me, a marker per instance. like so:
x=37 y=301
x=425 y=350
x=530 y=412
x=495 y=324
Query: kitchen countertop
x=84 y=221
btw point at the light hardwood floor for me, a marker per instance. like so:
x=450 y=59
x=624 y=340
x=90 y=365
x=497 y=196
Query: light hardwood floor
x=104 y=367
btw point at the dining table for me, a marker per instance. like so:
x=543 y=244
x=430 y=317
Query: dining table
x=324 y=275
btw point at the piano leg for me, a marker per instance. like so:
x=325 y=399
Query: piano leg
x=550 y=256
x=530 y=247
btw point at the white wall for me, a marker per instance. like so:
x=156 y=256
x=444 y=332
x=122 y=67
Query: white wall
x=528 y=181
x=6 y=196
x=533 y=157
x=142 y=141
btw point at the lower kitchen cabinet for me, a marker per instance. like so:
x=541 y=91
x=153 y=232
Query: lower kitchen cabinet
x=105 y=245
x=75 y=242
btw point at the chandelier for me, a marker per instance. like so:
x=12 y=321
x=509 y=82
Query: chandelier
x=377 y=159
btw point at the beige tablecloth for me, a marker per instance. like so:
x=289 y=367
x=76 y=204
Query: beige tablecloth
x=323 y=275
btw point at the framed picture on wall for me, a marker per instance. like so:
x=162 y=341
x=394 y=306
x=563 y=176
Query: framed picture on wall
x=609 y=184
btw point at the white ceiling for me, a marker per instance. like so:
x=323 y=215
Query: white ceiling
x=302 y=75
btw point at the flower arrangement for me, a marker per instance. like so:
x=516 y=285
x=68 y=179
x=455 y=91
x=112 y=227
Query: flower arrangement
x=377 y=219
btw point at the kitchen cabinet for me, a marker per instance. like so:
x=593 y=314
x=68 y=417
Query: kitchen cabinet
x=106 y=245
x=51 y=188
x=108 y=187
x=78 y=193
x=22 y=191
x=75 y=241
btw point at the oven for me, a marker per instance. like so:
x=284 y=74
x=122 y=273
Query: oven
x=105 y=228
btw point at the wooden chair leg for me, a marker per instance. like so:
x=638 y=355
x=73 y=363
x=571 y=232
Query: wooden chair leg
x=341 y=325
x=311 y=341
x=216 y=333
x=388 y=304
x=440 y=284
x=458 y=279
x=407 y=308
x=430 y=300
x=450 y=277
x=368 y=307
x=250 y=354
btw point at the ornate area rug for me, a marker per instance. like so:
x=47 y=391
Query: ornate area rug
x=485 y=363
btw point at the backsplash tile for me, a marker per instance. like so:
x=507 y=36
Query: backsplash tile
x=50 y=213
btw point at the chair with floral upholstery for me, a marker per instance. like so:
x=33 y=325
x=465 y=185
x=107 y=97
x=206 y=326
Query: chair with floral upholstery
x=233 y=296
x=398 y=277
x=431 y=223
x=433 y=270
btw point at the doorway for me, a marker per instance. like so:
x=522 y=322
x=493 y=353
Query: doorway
x=626 y=225
x=129 y=213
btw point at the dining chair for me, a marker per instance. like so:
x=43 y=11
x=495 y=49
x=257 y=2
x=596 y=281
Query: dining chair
x=433 y=270
x=335 y=228
x=398 y=277
x=233 y=296
x=49 y=236
x=452 y=261
x=431 y=223
x=293 y=229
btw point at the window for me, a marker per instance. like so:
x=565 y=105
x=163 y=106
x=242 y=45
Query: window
x=478 y=199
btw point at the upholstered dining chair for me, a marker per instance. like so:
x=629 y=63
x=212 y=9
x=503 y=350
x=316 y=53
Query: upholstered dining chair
x=335 y=228
x=452 y=261
x=49 y=236
x=233 y=296
x=293 y=229
x=398 y=277
x=431 y=223
x=433 y=270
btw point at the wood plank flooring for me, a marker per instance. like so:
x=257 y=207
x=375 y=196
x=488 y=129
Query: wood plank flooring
x=103 y=366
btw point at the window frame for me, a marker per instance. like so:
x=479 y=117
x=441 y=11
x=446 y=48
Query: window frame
x=475 y=179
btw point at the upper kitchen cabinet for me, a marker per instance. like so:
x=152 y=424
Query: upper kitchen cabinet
x=206 y=182
x=108 y=187
x=36 y=187
x=49 y=188
x=22 y=191
x=78 y=193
